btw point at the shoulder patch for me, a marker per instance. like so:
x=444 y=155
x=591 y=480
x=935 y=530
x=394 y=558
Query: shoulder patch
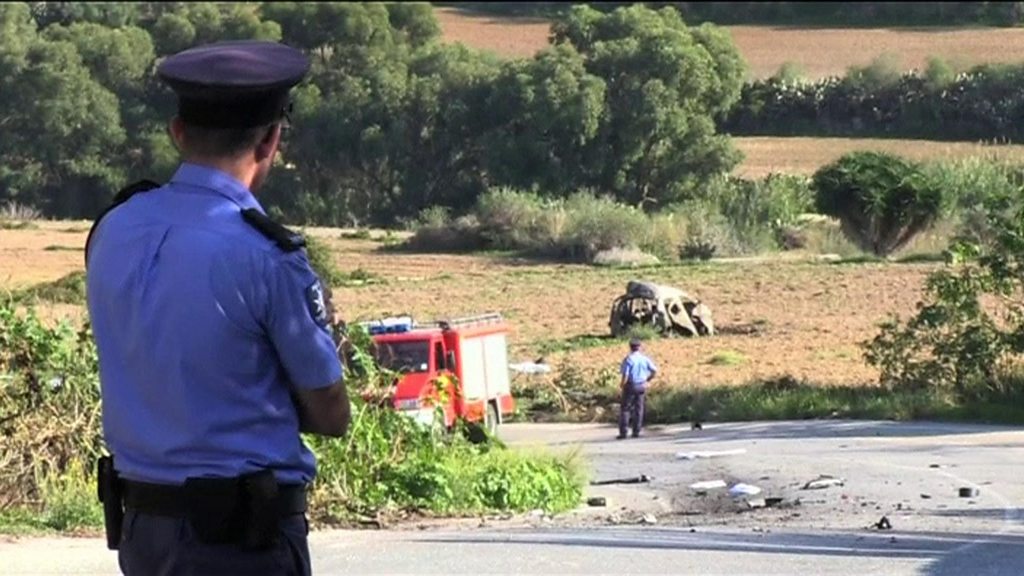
x=285 y=239
x=317 y=303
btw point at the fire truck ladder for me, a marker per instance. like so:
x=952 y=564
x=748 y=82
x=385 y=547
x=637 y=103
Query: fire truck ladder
x=478 y=320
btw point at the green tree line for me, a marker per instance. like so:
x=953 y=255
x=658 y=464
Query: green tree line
x=391 y=120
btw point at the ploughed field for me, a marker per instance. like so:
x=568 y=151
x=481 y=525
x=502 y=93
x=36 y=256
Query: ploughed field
x=763 y=155
x=778 y=316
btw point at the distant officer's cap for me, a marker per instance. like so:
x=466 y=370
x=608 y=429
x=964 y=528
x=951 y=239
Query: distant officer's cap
x=238 y=84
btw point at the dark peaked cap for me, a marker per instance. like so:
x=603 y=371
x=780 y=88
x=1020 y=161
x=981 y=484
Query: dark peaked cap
x=239 y=84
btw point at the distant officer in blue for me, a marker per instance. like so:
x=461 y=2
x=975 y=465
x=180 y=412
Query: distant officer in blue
x=213 y=337
x=637 y=371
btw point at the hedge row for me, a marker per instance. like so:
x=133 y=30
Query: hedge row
x=985 y=103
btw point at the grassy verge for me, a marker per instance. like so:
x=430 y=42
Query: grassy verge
x=389 y=467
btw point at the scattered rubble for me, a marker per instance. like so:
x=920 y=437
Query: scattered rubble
x=883 y=524
x=968 y=492
x=597 y=501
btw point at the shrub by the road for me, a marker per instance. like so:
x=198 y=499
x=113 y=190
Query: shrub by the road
x=966 y=336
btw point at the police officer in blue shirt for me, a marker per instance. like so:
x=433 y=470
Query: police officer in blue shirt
x=637 y=371
x=213 y=337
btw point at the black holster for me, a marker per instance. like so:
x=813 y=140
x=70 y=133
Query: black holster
x=234 y=510
x=111 y=494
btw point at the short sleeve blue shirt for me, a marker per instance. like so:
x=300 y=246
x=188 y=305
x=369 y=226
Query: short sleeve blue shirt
x=203 y=327
x=637 y=369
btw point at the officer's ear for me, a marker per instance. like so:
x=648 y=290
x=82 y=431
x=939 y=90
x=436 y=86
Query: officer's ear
x=176 y=130
x=268 y=144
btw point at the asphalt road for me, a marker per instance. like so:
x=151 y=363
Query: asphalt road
x=909 y=473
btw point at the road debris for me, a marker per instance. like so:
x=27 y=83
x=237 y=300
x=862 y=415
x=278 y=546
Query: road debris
x=708 y=485
x=823 y=481
x=968 y=492
x=739 y=490
x=883 y=524
x=648 y=519
x=597 y=501
x=709 y=454
x=757 y=503
x=641 y=479
x=926 y=496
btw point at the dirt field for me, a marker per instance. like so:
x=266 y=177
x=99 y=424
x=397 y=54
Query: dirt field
x=819 y=52
x=805 y=155
x=791 y=317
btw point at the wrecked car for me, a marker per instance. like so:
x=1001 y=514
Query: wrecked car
x=666 y=309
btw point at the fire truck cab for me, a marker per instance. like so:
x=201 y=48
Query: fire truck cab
x=467 y=356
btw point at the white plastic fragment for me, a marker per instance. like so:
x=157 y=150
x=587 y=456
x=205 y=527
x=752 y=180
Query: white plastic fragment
x=741 y=489
x=709 y=454
x=530 y=368
x=708 y=485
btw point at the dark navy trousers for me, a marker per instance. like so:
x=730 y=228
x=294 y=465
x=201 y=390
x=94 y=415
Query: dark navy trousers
x=632 y=408
x=165 y=546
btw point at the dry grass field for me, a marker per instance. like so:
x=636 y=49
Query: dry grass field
x=818 y=51
x=779 y=317
x=798 y=155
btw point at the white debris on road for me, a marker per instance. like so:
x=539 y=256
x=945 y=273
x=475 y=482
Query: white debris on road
x=741 y=489
x=708 y=485
x=709 y=454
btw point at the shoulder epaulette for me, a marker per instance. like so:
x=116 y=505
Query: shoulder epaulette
x=121 y=197
x=285 y=239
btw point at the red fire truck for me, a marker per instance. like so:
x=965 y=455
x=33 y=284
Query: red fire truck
x=473 y=350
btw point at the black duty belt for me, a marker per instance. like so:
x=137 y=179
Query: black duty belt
x=169 y=500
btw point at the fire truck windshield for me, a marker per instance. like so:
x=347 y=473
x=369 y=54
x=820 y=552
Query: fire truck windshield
x=404 y=357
